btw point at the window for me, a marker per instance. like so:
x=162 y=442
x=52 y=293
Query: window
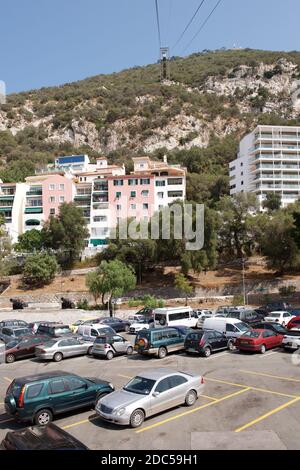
x=57 y=386
x=145 y=206
x=52 y=199
x=229 y=327
x=118 y=195
x=33 y=391
x=52 y=187
x=75 y=383
x=61 y=198
x=160 y=195
x=163 y=386
x=268 y=333
x=94 y=332
x=100 y=218
x=52 y=211
x=160 y=183
x=61 y=187
x=145 y=193
x=133 y=206
x=118 y=182
x=133 y=194
x=118 y=339
x=174 y=180
x=133 y=181
x=119 y=207
x=176 y=380
x=175 y=193
x=145 y=181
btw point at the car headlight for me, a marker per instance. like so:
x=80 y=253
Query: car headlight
x=119 y=411
x=111 y=385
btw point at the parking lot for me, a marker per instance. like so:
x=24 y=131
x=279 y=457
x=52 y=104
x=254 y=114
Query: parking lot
x=245 y=395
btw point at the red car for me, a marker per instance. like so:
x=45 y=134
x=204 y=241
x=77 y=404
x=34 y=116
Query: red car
x=294 y=324
x=259 y=340
x=23 y=348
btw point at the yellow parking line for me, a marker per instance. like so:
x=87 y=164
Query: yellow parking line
x=78 y=423
x=209 y=398
x=194 y=410
x=289 y=379
x=125 y=376
x=7 y=379
x=266 y=415
x=264 y=390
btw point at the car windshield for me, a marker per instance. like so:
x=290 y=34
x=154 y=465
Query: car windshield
x=242 y=326
x=21 y=332
x=140 y=385
x=62 y=331
x=252 y=334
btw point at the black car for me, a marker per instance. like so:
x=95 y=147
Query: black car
x=205 y=342
x=277 y=306
x=116 y=324
x=246 y=316
x=273 y=326
x=49 y=437
x=53 y=330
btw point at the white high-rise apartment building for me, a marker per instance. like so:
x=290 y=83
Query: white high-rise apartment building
x=268 y=161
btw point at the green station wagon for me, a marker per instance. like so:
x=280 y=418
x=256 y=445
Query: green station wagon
x=159 y=341
x=37 y=398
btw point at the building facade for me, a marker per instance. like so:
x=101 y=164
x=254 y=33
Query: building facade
x=268 y=161
x=104 y=192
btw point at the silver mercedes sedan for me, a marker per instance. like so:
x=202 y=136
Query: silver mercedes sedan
x=60 y=348
x=149 y=393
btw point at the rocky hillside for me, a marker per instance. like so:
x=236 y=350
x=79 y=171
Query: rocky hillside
x=213 y=93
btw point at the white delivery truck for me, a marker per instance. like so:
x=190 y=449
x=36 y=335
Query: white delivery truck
x=231 y=327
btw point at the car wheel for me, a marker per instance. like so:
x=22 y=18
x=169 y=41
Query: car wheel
x=109 y=355
x=129 y=350
x=58 y=357
x=90 y=350
x=10 y=358
x=230 y=345
x=263 y=349
x=127 y=328
x=191 y=398
x=207 y=351
x=162 y=352
x=43 y=417
x=137 y=418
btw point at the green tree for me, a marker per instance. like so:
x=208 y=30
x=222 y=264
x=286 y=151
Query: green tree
x=94 y=282
x=66 y=232
x=235 y=214
x=30 y=241
x=182 y=284
x=117 y=278
x=39 y=270
x=272 y=202
x=278 y=244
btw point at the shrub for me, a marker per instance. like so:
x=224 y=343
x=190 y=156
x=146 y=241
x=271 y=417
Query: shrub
x=39 y=270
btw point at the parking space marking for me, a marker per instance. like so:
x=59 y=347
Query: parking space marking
x=226 y=353
x=209 y=398
x=78 y=423
x=7 y=379
x=288 y=395
x=124 y=376
x=266 y=415
x=263 y=356
x=194 y=410
x=250 y=372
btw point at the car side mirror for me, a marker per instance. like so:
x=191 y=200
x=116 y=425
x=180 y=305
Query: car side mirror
x=156 y=394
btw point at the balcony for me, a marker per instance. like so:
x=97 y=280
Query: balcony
x=34 y=192
x=33 y=210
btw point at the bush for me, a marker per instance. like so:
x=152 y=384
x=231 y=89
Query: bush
x=83 y=304
x=287 y=290
x=146 y=301
x=39 y=270
x=238 y=300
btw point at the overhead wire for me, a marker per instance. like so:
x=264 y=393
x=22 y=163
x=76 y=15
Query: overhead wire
x=158 y=22
x=203 y=25
x=188 y=24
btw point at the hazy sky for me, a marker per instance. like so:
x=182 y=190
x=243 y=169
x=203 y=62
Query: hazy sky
x=51 y=42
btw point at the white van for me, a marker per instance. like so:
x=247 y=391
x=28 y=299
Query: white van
x=231 y=327
x=90 y=332
x=175 y=316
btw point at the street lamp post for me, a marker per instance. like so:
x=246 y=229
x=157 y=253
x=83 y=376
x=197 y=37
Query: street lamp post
x=244 y=284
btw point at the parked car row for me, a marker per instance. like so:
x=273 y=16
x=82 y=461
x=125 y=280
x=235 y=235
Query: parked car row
x=40 y=398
